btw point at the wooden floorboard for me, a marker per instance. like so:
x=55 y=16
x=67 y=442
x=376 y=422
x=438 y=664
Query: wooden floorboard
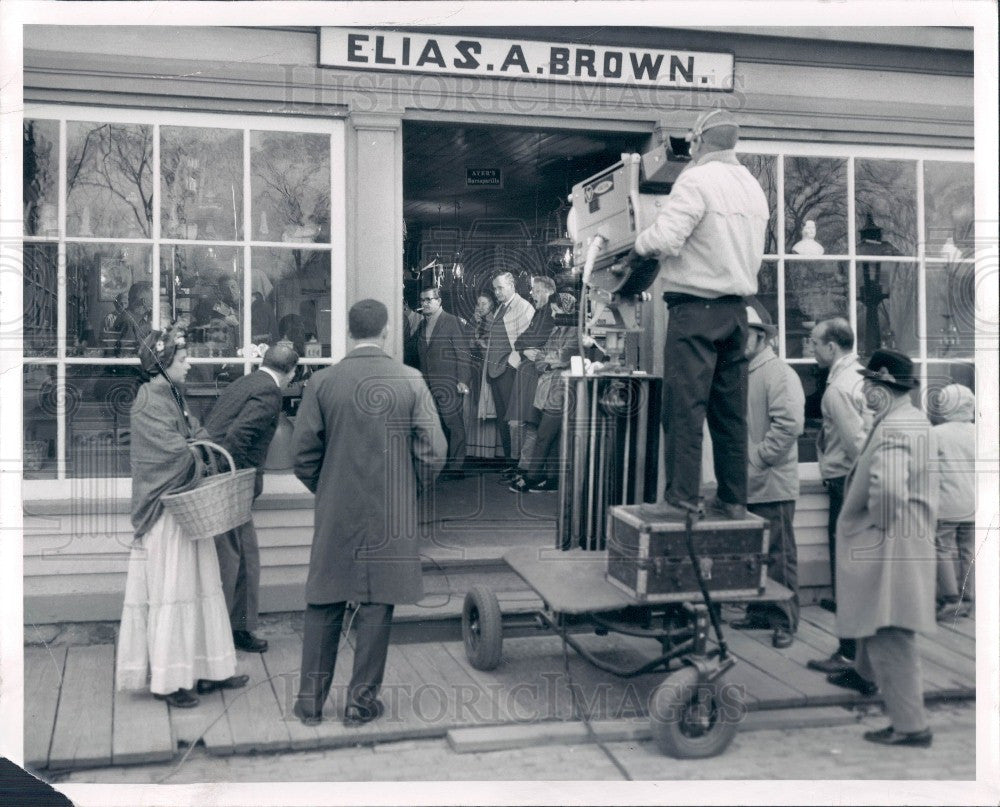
x=207 y=722
x=43 y=673
x=82 y=736
x=283 y=661
x=964 y=626
x=255 y=719
x=955 y=643
x=141 y=729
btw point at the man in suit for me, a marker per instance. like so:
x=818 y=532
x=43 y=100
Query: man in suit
x=512 y=318
x=886 y=564
x=243 y=421
x=367 y=439
x=443 y=353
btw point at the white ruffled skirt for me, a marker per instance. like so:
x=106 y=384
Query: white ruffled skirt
x=175 y=627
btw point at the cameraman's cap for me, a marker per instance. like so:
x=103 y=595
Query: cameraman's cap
x=709 y=119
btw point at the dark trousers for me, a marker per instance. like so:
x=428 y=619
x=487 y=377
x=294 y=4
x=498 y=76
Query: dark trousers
x=239 y=567
x=705 y=376
x=835 y=490
x=503 y=388
x=449 y=405
x=782 y=563
x=544 y=462
x=320 y=641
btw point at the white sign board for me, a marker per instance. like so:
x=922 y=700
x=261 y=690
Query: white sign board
x=401 y=51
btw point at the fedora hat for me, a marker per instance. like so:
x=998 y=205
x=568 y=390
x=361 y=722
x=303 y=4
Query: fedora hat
x=761 y=323
x=892 y=368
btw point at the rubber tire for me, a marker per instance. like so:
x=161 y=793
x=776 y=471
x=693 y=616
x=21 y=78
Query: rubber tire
x=669 y=708
x=482 y=628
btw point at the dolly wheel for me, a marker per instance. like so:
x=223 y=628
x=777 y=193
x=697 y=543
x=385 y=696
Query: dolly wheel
x=691 y=720
x=482 y=628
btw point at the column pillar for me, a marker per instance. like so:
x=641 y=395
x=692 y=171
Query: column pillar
x=375 y=215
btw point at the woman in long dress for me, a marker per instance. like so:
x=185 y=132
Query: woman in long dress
x=175 y=630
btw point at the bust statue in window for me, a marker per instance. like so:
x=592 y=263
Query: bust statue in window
x=808 y=245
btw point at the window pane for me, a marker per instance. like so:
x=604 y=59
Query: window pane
x=290 y=185
x=887 y=307
x=814 y=291
x=291 y=298
x=41 y=303
x=41 y=177
x=951 y=302
x=39 y=421
x=202 y=289
x=201 y=183
x=764 y=168
x=949 y=208
x=109 y=180
x=109 y=298
x=885 y=194
x=813 y=380
x=767 y=288
x=97 y=428
x=205 y=379
x=816 y=191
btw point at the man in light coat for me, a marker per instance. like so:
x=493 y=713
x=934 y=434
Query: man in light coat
x=708 y=236
x=775 y=419
x=511 y=319
x=885 y=548
x=367 y=439
x=845 y=422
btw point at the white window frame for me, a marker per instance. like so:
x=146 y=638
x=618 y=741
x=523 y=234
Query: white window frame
x=850 y=153
x=62 y=486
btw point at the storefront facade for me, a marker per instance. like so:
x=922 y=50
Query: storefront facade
x=224 y=177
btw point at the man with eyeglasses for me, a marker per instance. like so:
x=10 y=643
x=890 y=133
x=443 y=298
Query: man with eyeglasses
x=709 y=239
x=443 y=356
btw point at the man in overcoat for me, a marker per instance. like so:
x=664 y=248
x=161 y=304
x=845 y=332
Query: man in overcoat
x=367 y=439
x=511 y=319
x=775 y=419
x=885 y=548
x=243 y=421
x=444 y=358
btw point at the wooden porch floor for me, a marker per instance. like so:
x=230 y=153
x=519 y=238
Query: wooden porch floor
x=74 y=718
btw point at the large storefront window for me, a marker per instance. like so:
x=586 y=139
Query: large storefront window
x=152 y=228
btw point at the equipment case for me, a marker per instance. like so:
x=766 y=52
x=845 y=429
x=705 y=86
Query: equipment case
x=648 y=555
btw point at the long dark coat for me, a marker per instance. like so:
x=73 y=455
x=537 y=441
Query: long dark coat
x=244 y=418
x=366 y=438
x=526 y=380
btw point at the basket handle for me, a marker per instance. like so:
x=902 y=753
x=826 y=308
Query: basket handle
x=208 y=446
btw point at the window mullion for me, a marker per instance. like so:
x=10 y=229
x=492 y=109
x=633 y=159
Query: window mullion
x=247 y=256
x=852 y=279
x=155 y=256
x=922 y=334
x=61 y=312
x=780 y=225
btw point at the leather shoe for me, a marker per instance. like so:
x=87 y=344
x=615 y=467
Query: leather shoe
x=828 y=604
x=357 y=714
x=888 y=736
x=735 y=512
x=206 y=685
x=781 y=638
x=849 y=679
x=181 y=699
x=306 y=718
x=244 y=640
x=835 y=664
x=671 y=510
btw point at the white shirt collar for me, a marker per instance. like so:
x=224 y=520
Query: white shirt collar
x=274 y=375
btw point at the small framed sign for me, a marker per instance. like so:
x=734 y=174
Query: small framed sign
x=484 y=178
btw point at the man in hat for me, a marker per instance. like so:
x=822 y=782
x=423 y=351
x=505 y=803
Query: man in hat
x=367 y=439
x=886 y=562
x=775 y=419
x=243 y=421
x=709 y=238
x=845 y=422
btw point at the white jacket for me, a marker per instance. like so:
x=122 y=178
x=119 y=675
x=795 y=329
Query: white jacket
x=709 y=232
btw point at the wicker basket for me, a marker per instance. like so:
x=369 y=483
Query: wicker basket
x=219 y=503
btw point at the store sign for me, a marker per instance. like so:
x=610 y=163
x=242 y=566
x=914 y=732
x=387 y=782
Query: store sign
x=369 y=49
x=483 y=178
